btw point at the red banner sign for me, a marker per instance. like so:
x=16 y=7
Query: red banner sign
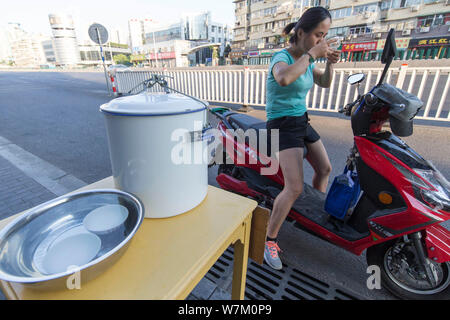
x=161 y=55
x=365 y=46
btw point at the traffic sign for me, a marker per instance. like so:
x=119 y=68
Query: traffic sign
x=98 y=33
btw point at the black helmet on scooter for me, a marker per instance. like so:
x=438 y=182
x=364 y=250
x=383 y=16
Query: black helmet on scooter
x=404 y=107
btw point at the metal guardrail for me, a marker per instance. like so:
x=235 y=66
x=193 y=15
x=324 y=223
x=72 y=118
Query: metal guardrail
x=247 y=86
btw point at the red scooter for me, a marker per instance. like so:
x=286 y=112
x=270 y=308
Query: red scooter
x=400 y=207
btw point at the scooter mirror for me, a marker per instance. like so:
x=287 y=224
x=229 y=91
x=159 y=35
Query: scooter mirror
x=356 y=78
x=390 y=48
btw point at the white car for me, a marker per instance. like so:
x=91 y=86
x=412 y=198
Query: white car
x=115 y=67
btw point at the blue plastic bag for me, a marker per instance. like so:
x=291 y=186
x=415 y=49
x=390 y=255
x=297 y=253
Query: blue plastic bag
x=343 y=194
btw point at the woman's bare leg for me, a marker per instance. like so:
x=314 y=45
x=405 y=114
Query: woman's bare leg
x=318 y=158
x=291 y=163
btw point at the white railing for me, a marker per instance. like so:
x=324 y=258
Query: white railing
x=247 y=87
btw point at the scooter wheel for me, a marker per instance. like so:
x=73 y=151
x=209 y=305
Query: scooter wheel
x=402 y=275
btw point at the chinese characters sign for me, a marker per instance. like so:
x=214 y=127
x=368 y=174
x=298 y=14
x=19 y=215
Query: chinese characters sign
x=429 y=42
x=365 y=46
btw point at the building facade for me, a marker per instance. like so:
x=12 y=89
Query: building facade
x=21 y=48
x=136 y=34
x=173 y=45
x=47 y=45
x=90 y=54
x=421 y=26
x=65 y=44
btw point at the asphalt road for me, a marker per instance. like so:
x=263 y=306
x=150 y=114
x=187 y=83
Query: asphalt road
x=55 y=116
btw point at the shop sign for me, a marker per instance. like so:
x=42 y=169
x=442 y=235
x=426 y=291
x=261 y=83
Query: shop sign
x=365 y=46
x=429 y=42
x=137 y=57
x=253 y=53
x=266 y=52
x=400 y=43
x=162 y=55
x=236 y=54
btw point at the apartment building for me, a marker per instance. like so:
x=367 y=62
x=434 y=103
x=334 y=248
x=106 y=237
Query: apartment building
x=22 y=48
x=422 y=27
x=171 y=45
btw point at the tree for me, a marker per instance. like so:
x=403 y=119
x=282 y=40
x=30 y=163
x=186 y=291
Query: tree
x=227 y=51
x=121 y=59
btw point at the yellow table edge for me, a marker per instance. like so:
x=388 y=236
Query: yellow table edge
x=240 y=239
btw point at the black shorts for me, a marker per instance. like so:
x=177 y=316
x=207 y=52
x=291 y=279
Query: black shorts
x=294 y=131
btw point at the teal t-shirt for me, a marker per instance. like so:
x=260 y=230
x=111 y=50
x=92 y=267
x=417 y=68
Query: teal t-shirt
x=289 y=100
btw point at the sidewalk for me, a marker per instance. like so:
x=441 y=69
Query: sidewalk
x=18 y=191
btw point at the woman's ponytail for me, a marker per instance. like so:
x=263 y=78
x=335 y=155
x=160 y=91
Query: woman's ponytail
x=288 y=30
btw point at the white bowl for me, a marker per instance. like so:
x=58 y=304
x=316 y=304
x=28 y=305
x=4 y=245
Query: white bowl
x=106 y=218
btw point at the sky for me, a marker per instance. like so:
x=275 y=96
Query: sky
x=33 y=14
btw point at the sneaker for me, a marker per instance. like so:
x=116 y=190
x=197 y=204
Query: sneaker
x=271 y=255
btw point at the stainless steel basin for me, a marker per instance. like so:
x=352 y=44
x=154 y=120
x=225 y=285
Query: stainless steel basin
x=45 y=246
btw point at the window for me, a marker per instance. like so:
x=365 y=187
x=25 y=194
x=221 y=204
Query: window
x=309 y=3
x=360 y=30
x=239 y=32
x=393 y=4
x=371 y=7
x=257 y=28
x=269 y=11
x=256 y=14
x=256 y=42
x=341 y=13
x=434 y=20
x=280 y=23
x=269 y=25
x=341 y=31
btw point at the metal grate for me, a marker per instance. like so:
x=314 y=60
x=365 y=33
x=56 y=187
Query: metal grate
x=264 y=283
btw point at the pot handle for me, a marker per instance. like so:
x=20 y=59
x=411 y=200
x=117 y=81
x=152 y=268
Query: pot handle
x=200 y=135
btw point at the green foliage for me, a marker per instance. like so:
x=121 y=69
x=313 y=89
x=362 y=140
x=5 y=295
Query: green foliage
x=118 y=45
x=227 y=51
x=121 y=59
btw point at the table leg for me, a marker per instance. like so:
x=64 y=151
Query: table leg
x=241 y=248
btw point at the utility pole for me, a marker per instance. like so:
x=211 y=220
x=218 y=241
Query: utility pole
x=103 y=59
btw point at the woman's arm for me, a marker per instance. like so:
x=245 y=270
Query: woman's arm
x=323 y=78
x=286 y=74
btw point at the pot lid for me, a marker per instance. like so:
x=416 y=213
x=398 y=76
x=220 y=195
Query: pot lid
x=152 y=104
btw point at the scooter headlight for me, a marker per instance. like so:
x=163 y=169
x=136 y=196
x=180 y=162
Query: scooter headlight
x=430 y=186
x=439 y=198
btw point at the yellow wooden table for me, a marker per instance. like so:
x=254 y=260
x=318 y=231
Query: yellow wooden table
x=167 y=257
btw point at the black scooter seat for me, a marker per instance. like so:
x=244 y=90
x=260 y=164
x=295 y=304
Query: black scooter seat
x=246 y=122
